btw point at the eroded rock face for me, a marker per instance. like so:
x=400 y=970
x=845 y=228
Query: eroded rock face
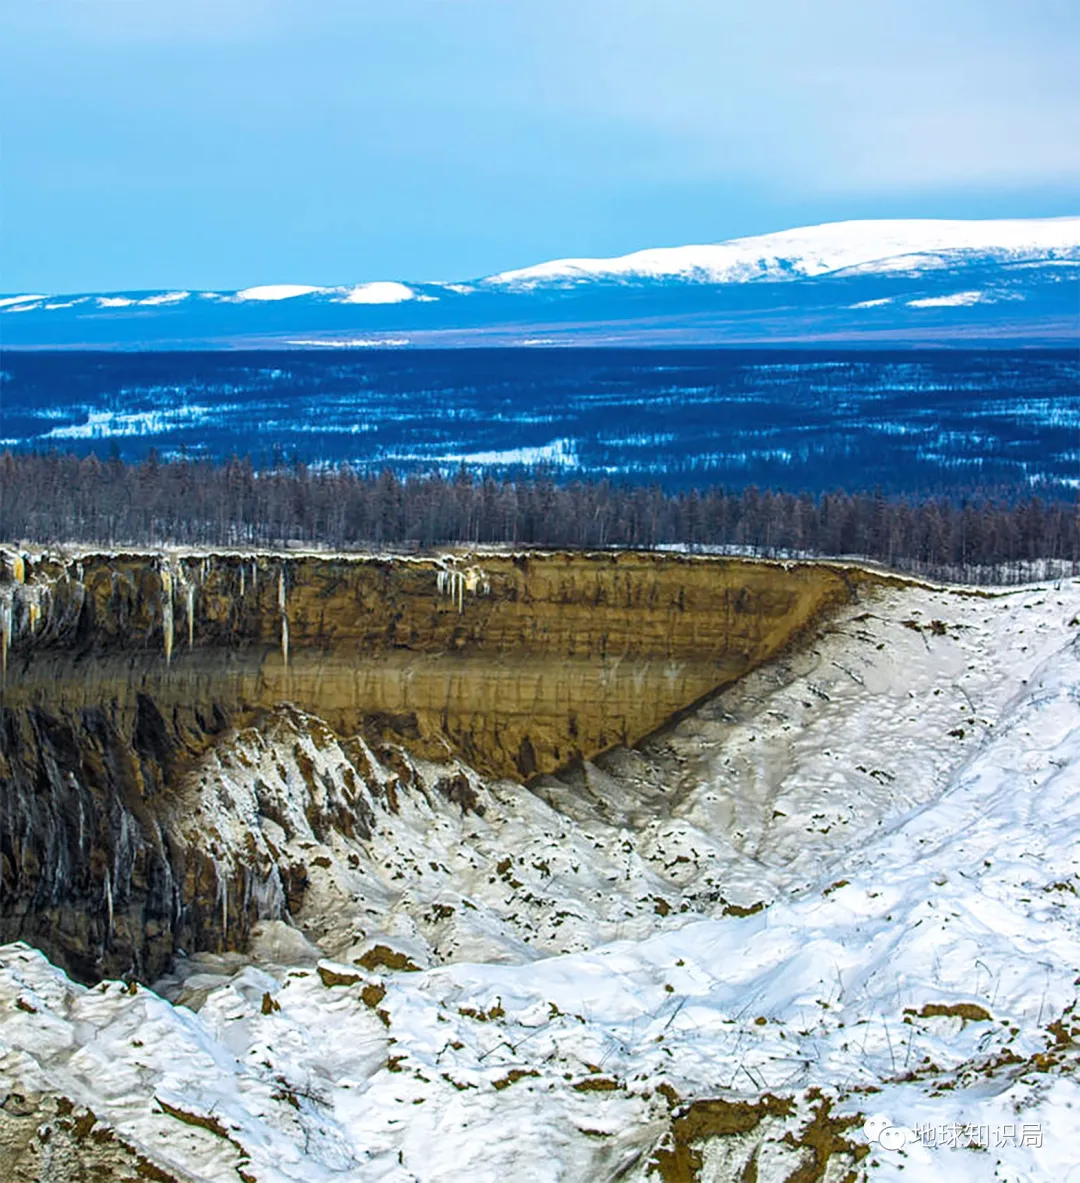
x=87 y=864
x=117 y=855
x=520 y=663
x=120 y=671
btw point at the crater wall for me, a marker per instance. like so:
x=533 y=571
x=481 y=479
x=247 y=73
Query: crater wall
x=119 y=670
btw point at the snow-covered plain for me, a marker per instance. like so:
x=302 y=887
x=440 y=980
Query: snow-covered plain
x=775 y=904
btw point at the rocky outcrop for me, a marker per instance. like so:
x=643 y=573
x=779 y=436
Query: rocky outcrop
x=120 y=670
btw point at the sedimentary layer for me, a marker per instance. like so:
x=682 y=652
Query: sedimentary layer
x=120 y=670
x=519 y=663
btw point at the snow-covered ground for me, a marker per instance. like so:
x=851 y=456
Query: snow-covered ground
x=842 y=892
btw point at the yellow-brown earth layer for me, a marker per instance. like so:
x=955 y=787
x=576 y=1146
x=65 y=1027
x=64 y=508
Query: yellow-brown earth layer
x=119 y=670
x=543 y=659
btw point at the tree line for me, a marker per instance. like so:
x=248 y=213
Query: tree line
x=61 y=497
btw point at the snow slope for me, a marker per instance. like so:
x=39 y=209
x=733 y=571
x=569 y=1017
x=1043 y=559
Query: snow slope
x=901 y=798
x=909 y=245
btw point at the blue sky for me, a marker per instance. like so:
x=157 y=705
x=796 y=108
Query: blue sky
x=222 y=143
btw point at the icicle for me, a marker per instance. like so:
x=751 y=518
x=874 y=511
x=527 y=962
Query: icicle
x=242 y=569
x=5 y=630
x=33 y=610
x=284 y=617
x=455 y=581
x=109 y=899
x=167 y=618
x=18 y=568
x=189 y=591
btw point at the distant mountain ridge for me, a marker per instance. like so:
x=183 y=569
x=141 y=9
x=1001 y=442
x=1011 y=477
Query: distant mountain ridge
x=911 y=246
x=900 y=281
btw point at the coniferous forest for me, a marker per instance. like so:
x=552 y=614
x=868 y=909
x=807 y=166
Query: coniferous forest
x=65 y=498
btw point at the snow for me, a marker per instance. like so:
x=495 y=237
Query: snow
x=278 y=291
x=387 y=292
x=957 y=300
x=913 y=264
x=116 y=424
x=165 y=298
x=10 y=301
x=901 y=795
x=351 y=342
x=67 y=303
x=869 y=246
x=561 y=452
x=902 y=247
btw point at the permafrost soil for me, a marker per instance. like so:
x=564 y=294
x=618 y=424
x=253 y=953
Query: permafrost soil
x=844 y=888
x=122 y=670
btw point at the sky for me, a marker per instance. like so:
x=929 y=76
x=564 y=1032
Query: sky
x=226 y=143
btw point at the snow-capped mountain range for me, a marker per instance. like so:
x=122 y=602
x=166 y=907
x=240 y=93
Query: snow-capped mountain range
x=906 y=246
x=898 y=280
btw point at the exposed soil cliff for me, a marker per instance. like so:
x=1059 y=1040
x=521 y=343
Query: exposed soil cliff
x=120 y=670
